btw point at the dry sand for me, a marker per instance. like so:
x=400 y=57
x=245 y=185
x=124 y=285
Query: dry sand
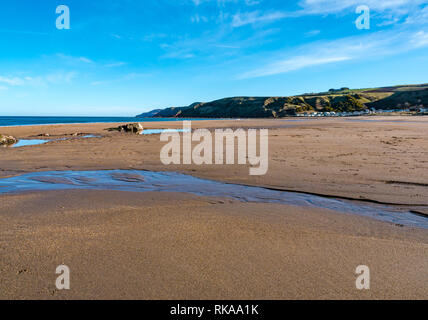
x=178 y=246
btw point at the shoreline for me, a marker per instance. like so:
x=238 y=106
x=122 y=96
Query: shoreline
x=86 y=123
x=144 y=120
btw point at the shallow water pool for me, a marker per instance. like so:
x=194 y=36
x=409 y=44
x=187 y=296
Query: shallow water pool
x=144 y=181
x=24 y=143
x=35 y=142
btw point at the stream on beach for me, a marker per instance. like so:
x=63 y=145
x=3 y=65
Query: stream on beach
x=144 y=181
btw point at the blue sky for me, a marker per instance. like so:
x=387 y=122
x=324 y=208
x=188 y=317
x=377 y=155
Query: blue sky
x=123 y=57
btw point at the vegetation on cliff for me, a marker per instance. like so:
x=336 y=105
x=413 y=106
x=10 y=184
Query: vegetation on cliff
x=341 y=100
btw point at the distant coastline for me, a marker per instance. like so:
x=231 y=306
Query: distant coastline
x=9 y=121
x=343 y=102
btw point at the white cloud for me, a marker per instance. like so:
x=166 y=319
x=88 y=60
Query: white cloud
x=376 y=45
x=391 y=10
x=73 y=59
x=313 y=33
x=388 y=22
x=418 y=17
x=116 y=64
x=86 y=60
x=126 y=77
x=420 y=39
x=41 y=80
x=198 y=18
x=292 y=64
x=243 y=19
x=12 y=81
x=58 y=78
x=334 y=6
x=252 y=2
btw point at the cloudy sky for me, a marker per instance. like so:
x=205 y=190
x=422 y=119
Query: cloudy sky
x=123 y=57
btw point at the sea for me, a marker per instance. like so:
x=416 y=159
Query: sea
x=31 y=121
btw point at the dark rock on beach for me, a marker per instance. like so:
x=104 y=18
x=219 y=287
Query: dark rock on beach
x=130 y=128
x=7 y=140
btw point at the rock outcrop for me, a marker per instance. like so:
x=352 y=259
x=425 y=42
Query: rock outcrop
x=130 y=128
x=7 y=140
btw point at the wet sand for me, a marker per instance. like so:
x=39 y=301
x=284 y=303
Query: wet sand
x=179 y=246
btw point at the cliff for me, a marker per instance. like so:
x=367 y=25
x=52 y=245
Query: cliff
x=341 y=100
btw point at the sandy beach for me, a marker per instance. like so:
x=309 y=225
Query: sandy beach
x=127 y=245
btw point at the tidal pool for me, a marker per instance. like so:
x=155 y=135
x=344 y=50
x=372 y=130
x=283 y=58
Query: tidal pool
x=35 y=142
x=160 y=131
x=144 y=181
x=24 y=143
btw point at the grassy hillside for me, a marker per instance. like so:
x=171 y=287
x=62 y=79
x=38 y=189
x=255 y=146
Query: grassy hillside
x=341 y=100
x=403 y=99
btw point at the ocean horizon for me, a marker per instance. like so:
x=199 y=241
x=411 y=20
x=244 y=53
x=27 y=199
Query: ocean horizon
x=9 y=121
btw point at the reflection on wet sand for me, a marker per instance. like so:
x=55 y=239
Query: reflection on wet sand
x=140 y=181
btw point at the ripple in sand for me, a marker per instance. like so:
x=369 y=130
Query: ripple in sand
x=127 y=177
x=53 y=180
